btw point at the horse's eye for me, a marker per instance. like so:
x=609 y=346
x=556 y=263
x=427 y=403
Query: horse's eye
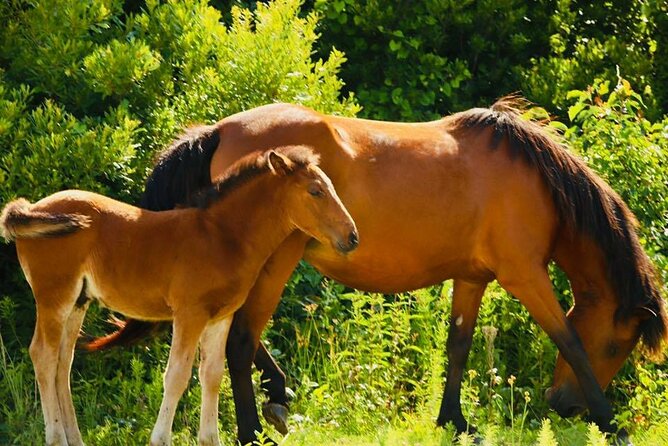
x=612 y=349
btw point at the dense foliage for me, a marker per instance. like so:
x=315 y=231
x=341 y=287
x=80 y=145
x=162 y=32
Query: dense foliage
x=419 y=60
x=89 y=91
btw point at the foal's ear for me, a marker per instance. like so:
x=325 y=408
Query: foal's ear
x=279 y=164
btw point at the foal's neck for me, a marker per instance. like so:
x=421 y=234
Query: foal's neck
x=254 y=216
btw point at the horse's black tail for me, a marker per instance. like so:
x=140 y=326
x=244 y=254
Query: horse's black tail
x=181 y=170
x=129 y=332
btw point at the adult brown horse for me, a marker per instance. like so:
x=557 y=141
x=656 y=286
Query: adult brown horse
x=476 y=196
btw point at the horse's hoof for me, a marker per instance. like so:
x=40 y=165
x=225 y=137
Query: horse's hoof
x=477 y=438
x=277 y=415
x=623 y=439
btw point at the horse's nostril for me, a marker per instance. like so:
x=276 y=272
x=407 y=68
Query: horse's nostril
x=573 y=411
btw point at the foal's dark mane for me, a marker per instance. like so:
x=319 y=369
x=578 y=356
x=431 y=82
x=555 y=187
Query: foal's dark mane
x=586 y=204
x=246 y=169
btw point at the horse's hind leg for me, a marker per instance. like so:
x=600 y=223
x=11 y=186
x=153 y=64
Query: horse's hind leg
x=186 y=335
x=67 y=344
x=532 y=286
x=465 y=305
x=244 y=338
x=211 y=368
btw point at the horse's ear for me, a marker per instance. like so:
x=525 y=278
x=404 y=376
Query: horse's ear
x=645 y=313
x=279 y=164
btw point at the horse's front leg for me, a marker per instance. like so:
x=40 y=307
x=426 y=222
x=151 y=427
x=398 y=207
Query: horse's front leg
x=275 y=411
x=533 y=288
x=249 y=321
x=465 y=305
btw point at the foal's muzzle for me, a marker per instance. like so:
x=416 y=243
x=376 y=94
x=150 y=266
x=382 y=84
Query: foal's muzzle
x=350 y=244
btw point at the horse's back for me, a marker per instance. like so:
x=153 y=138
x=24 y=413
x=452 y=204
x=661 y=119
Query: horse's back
x=431 y=200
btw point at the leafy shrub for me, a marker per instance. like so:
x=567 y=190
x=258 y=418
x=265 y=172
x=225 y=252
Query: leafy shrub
x=629 y=152
x=587 y=41
x=421 y=60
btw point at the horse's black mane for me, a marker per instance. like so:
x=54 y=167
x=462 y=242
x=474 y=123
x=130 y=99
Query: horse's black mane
x=249 y=167
x=586 y=204
x=181 y=170
x=181 y=176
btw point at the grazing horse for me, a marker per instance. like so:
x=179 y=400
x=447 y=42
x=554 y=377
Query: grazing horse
x=476 y=196
x=192 y=266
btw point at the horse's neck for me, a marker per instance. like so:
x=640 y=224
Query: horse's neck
x=585 y=265
x=254 y=216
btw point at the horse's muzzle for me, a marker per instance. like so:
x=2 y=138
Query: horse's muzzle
x=565 y=401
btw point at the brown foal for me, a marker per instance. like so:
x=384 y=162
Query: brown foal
x=193 y=266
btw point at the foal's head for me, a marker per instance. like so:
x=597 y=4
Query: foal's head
x=311 y=202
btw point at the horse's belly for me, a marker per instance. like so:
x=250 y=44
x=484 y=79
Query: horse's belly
x=395 y=269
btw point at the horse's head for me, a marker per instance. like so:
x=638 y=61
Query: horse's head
x=608 y=337
x=314 y=207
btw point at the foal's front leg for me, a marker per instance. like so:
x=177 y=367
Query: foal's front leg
x=187 y=331
x=211 y=368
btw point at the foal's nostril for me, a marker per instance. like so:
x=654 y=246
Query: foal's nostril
x=353 y=240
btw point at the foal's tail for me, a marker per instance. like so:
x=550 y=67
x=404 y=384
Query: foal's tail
x=18 y=220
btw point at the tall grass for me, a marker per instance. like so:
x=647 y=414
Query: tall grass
x=365 y=369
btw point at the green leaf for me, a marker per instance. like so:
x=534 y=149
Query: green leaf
x=574 y=110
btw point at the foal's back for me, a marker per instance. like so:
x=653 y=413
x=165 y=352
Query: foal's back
x=127 y=256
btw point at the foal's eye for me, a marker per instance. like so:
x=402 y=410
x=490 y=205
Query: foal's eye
x=316 y=192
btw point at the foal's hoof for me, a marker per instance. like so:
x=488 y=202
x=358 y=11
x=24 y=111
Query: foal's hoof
x=277 y=415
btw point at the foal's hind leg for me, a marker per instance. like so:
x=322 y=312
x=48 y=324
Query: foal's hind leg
x=465 y=305
x=44 y=350
x=211 y=368
x=68 y=341
x=187 y=331
x=532 y=286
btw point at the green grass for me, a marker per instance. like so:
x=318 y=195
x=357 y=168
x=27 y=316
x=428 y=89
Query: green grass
x=367 y=369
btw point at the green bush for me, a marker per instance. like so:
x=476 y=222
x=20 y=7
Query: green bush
x=421 y=60
x=590 y=40
x=91 y=90
x=629 y=152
